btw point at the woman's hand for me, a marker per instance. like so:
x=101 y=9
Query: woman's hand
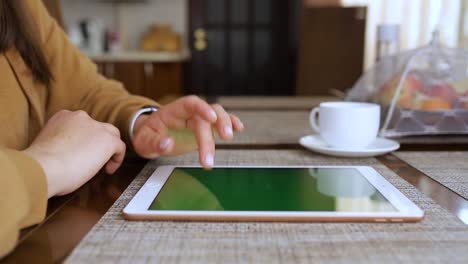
x=170 y=130
x=73 y=147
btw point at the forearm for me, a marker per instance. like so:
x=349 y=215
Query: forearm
x=23 y=196
x=77 y=84
x=109 y=102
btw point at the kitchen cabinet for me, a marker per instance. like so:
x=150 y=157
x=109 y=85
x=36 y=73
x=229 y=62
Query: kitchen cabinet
x=157 y=81
x=157 y=75
x=153 y=80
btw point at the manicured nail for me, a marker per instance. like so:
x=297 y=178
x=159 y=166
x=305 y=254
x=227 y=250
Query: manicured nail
x=213 y=115
x=228 y=130
x=164 y=143
x=209 y=159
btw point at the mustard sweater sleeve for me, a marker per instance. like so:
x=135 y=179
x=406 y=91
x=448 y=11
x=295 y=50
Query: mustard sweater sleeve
x=77 y=84
x=23 y=196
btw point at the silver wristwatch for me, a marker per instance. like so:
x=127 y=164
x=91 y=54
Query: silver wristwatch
x=145 y=110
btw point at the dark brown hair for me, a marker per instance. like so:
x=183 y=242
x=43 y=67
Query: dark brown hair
x=16 y=30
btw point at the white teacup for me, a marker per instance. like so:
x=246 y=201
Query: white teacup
x=346 y=125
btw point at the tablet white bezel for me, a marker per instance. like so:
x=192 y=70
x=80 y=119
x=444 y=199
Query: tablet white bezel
x=138 y=207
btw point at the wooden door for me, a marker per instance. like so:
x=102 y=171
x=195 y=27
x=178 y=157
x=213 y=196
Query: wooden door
x=331 y=49
x=242 y=47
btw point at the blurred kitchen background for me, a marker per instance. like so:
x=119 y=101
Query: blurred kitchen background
x=167 y=48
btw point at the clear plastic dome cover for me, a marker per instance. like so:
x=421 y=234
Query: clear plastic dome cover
x=422 y=91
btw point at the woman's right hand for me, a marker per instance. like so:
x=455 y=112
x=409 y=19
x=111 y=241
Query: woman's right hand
x=72 y=148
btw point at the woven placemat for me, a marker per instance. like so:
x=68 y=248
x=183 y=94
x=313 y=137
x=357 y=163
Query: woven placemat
x=440 y=237
x=271 y=127
x=448 y=168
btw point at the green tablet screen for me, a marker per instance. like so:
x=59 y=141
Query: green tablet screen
x=270 y=189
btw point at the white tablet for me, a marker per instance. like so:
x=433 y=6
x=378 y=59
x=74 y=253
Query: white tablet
x=324 y=193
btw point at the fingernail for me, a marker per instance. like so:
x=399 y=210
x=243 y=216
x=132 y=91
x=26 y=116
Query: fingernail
x=164 y=143
x=213 y=115
x=241 y=125
x=228 y=130
x=209 y=159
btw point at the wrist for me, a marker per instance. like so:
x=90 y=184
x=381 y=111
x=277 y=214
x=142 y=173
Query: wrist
x=139 y=123
x=139 y=118
x=46 y=164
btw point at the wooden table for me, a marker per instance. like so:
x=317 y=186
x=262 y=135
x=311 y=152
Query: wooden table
x=270 y=129
x=268 y=103
x=282 y=129
x=70 y=218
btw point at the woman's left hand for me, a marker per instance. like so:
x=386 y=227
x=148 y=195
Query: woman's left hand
x=169 y=131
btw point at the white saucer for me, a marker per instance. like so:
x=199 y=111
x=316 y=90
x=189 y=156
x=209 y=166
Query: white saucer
x=378 y=147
